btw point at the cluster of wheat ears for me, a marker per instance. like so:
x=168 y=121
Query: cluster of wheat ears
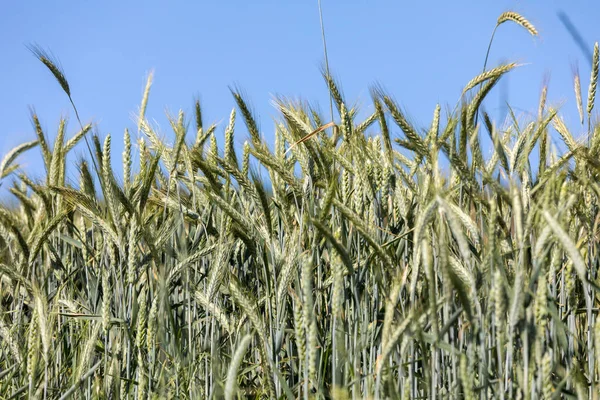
x=344 y=262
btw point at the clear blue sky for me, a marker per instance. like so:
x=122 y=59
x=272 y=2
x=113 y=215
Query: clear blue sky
x=423 y=52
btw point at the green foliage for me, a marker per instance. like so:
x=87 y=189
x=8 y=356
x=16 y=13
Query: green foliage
x=373 y=271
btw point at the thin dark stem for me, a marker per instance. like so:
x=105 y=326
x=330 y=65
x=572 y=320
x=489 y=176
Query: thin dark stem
x=85 y=376
x=326 y=58
x=487 y=55
x=87 y=143
x=589 y=135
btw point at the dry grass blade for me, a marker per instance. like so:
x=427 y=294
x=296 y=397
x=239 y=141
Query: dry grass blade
x=310 y=135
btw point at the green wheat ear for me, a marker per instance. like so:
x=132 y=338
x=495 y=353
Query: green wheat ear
x=577 y=88
x=593 y=80
x=514 y=17
x=518 y=19
x=51 y=63
x=54 y=66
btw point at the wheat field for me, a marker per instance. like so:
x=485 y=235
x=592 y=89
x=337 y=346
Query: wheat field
x=348 y=259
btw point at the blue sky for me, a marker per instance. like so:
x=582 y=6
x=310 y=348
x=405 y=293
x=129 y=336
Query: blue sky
x=422 y=52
